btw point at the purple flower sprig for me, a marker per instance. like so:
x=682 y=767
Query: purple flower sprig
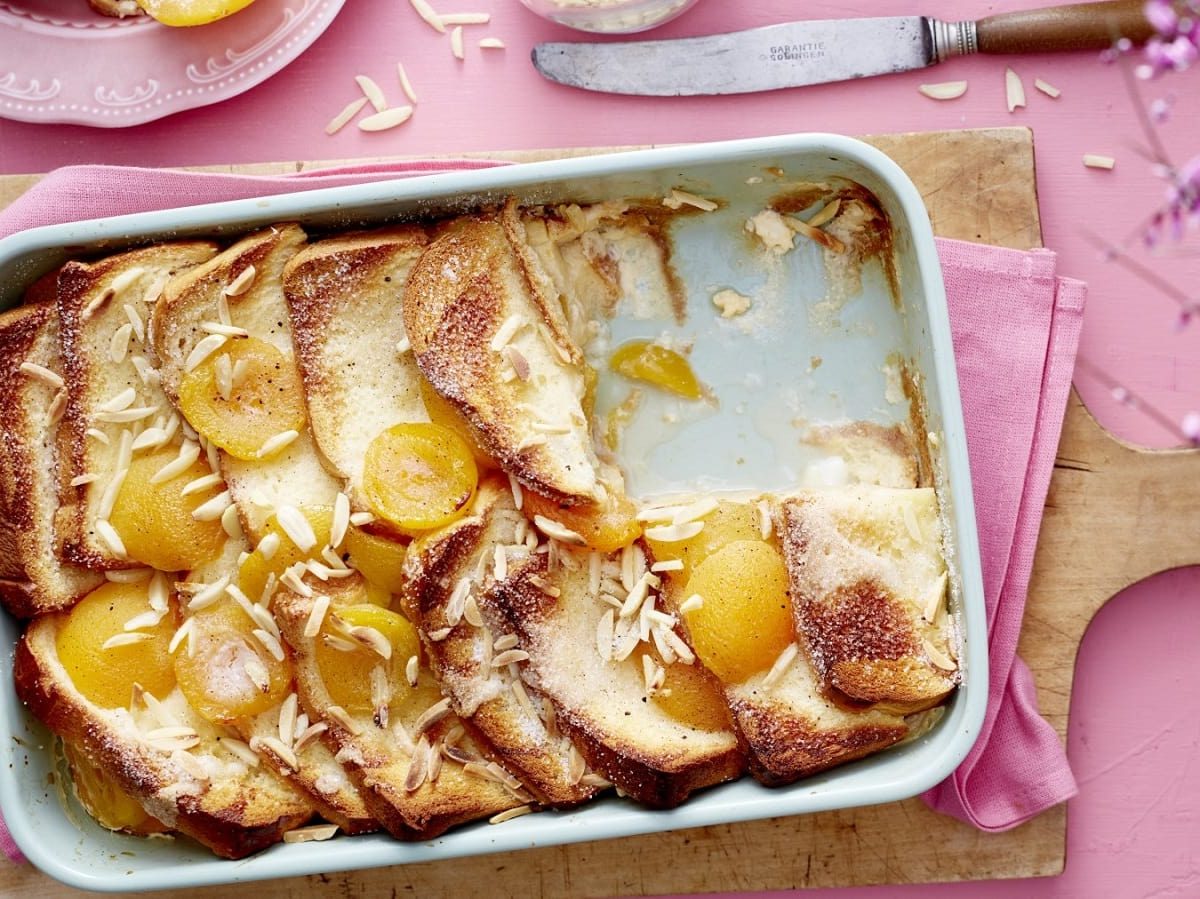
x=1177 y=44
x=1175 y=48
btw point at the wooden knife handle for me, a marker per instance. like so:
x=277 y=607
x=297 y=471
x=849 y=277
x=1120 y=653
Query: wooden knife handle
x=1081 y=26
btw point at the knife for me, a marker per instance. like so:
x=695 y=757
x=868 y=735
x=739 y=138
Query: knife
x=801 y=53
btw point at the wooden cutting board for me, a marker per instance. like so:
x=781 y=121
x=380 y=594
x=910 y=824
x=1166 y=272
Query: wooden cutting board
x=979 y=185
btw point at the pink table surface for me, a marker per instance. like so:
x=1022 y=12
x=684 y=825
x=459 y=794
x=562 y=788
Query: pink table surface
x=1135 y=719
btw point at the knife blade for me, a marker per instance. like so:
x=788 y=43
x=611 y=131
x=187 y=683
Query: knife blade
x=796 y=54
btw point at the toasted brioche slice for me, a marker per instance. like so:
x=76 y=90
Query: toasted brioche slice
x=113 y=394
x=293 y=478
x=244 y=284
x=790 y=727
x=605 y=259
x=282 y=736
x=868 y=584
x=588 y=669
x=316 y=772
x=32 y=395
x=445 y=572
x=204 y=790
x=345 y=296
x=793 y=730
x=407 y=759
x=490 y=335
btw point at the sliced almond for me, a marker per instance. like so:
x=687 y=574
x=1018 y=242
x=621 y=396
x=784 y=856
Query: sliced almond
x=675 y=533
x=389 y=118
x=491 y=43
x=349 y=111
x=372 y=91
x=937 y=657
x=43 y=374
x=509 y=814
x=465 y=18
x=1047 y=88
x=204 y=348
x=680 y=198
x=241 y=283
x=933 y=603
x=1096 y=161
x=405 y=84
x=556 y=531
x=429 y=14
x=297 y=528
x=944 y=90
x=456 y=42
x=314 y=833
x=1014 y=90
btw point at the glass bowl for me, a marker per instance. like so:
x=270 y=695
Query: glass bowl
x=610 y=16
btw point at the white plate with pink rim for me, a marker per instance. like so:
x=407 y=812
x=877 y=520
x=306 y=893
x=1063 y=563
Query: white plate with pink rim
x=64 y=63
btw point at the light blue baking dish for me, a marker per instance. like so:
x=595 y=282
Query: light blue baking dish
x=759 y=372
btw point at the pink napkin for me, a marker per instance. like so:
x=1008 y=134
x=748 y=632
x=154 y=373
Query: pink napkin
x=1016 y=330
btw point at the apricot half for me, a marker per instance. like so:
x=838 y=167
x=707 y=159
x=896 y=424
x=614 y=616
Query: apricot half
x=257 y=567
x=658 y=366
x=191 y=12
x=606 y=526
x=379 y=559
x=229 y=675
x=347 y=672
x=265 y=399
x=155 y=521
x=745 y=621
x=106 y=676
x=728 y=523
x=419 y=476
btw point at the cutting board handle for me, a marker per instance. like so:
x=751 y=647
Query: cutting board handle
x=1082 y=26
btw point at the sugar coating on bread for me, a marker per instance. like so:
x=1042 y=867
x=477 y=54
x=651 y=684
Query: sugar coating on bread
x=464 y=637
x=490 y=336
x=32 y=579
x=345 y=299
x=793 y=730
x=869 y=581
x=104 y=310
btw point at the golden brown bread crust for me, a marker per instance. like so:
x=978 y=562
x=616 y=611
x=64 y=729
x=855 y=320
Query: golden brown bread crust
x=471 y=277
x=233 y=819
x=342 y=805
x=785 y=746
x=648 y=783
x=864 y=641
x=32 y=579
x=511 y=733
x=326 y=279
